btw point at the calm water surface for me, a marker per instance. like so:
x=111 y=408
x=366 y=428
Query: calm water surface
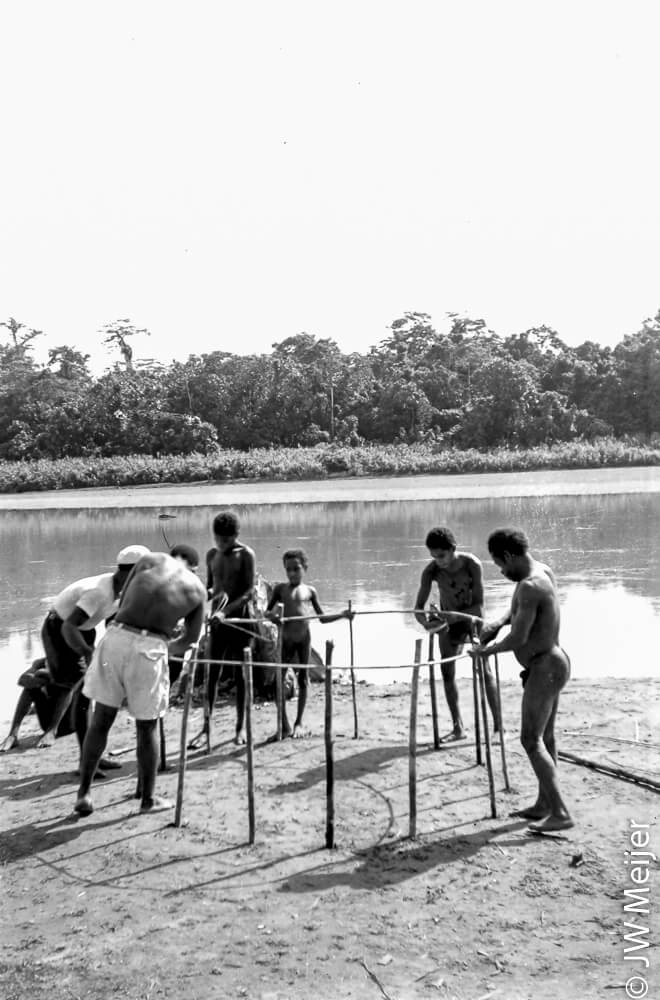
x=603 y=548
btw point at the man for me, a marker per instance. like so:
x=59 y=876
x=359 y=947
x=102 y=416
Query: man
x=131 y=662
x=459 y=579
x=534 y=641
x=68 y=635
x=230 y=581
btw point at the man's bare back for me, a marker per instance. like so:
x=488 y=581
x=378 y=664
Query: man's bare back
x=536 y=596
x=160 y=592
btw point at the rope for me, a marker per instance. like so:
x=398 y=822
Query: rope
x=377 y=611
x=313 y=666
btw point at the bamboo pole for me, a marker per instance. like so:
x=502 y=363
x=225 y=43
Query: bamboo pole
x=434 y=695
x=247 y=673
x=372 y=611
x=412 y=744
x=505 y=770
x=609 y=769
x=279 y=678
x=484 y=716
x=477 y=724
x=356 y=732
x=329 y=752
x=183 y=751
x=207 y=708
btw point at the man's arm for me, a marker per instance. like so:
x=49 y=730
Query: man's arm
x=71 y=633
x=326 y=619
x=423 y=595
x=192 y=626
x=527 y=602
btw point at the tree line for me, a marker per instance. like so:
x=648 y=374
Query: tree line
x=466 y=388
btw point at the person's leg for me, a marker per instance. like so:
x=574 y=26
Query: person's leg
x=447 y=650
x=22 y=708
x=92 y=751
x=304 y=657
x=240 y=737
x=215 y=652
x=491 y=693
x=539 y=707
x=147 y=760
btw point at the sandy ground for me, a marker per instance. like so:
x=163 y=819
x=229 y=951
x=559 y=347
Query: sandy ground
x=541 y=482
x=125 y=906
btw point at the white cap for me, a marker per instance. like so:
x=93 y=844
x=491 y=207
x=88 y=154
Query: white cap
x=131 y=554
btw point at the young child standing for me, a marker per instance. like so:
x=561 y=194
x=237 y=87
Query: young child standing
x=299 y=599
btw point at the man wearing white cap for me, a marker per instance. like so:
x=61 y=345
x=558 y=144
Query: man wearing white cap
x=131 y=662
x=68 y=634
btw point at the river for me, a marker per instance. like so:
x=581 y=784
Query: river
x=602 y=545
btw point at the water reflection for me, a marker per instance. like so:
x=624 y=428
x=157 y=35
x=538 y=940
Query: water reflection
x=603 y=549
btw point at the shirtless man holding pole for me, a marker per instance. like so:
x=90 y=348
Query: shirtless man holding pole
x=131 y=662
x=534 y=641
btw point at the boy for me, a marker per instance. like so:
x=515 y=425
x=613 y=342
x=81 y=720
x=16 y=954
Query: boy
x=299 y=599
x=459 y=579
x=230 y=581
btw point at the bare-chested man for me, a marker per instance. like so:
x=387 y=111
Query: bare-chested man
x=131 y=662
x=534 y=641
x=230 y=580
x=459 y=579
x=68 y=635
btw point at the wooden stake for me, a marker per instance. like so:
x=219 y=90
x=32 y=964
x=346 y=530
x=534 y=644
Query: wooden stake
x=484 y=716
x=434 y=696
x=183 y=752
x=505 y=770
x=412 y=744
x=329 y=752
x=207 y=708
x=279 y=679
x=477 y=725
x=247 y=673
x=356 y=733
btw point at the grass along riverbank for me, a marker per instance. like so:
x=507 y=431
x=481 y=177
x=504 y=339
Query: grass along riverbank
x=321 y=462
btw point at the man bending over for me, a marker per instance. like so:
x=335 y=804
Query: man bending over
x=131 y=662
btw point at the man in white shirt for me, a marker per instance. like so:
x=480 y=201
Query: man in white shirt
x=68 y=635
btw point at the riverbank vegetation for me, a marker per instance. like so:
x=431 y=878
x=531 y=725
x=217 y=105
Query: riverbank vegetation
x=319 y=462
x=463 y=400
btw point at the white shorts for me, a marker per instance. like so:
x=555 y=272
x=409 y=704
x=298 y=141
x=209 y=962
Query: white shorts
x=132 y=666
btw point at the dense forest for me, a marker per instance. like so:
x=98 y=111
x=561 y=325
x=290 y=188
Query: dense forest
x=467 y=388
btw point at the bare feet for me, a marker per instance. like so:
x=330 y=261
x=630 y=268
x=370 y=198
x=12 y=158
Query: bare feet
x=240 y=738
x=552 y=824
x=47 y=740
x=275 y=738
x=84 y=806
x=9 y=743
x=298 y=732
x=531 y=812
x=199 y=742
x=157 y=804
x=108 y=764
x=454 y=737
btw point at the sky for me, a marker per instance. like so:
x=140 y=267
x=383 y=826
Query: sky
x=227 y=175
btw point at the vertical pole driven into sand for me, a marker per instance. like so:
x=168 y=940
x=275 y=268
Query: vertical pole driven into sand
x=163 y=746
x=412 y=743
x=329 y=752
x=188 y=670
x=279 y=674
x=207 y=708
x=247 y=674
x=434 y=695
x=484 y=716
x=477 y=726
x=356 y=731
x=505 y=771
